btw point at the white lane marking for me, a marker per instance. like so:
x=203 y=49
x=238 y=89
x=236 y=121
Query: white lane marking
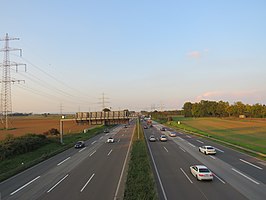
x=87 y=183
x=213 y=157
x=182 y=149
x=191 y=144
x=157 y=173
x=63 y=161
x=94 y=142
x=219 y=149
x=218 y=178
x=246 y=176
x=200 y=141
x=101 y=138
x=251 y=164
x=92 y=153
x=181 y=138
x=118 y=140
x=57 y=183
x=186 y=175
x=188 y=136
x=166 y=149
x=24 y=185
x=123 y=134
x=180 y=133
x=82 y=149
x=106 y=133
x=110 y=152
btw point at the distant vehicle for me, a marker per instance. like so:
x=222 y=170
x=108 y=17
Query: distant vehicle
x=79 y=144
x=145 y=127
x=163 y=129
x=110 y=140
x=201 y=172
x=106 y=131
x=152 y=138
x=172 y=134
x=125 y=126
x=163 y=138
x=207 y=150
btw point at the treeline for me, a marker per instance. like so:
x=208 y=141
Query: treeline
x=19 y=145
x=206 y=108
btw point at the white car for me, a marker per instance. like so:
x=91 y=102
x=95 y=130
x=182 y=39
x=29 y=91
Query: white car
x=207 y=150
x=110 y=140
x=152 y=138
x=163 y=138
x=172 y=134
x=201 y=172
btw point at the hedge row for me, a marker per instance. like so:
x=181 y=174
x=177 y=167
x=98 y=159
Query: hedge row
x=19 y=145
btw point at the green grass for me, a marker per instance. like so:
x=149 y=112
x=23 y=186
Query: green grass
x=140 y=182
x=250 y=134
x=16 y=164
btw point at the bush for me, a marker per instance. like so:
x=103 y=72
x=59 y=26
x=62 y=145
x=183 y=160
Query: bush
x=52 y=131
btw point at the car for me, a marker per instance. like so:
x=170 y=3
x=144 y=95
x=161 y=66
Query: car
x=163 y=129
x=145 y=127
x=207 y=150
x=201 y=172
x=106 y=131
x=79 y=144
x=172 y=134
x=163 y=138
x=125 y=126
x=110 y=140
x=152 y=138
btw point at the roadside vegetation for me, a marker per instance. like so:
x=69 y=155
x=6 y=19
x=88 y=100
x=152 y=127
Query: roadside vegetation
x=140 y=182
x=20 y=153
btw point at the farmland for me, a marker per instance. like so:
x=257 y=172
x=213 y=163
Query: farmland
x=38 y=125
x=247 y=133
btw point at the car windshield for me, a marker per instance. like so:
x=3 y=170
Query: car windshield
x=163 y=136
x=210 y=148
x=204 y=170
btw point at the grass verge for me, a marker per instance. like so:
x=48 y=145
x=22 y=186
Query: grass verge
x=140 y=182
x=10 y=167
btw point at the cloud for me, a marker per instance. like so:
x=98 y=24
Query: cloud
x=194 y=54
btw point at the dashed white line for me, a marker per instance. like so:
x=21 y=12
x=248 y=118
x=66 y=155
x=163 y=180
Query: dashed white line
x=200 y=141
x=246 y=176
x=63 y=161
x=250 y=164
x=166 y=149
x=110 y=152
x=82 y=149
x=181 y=138
x=87 y=183
x=94 y=142
x=92 y=153
x=218 y=178
x=106 y=133
x=188 y=136
x=57 y=183
x=213 y=157
x=186 y=175
x=118 y=140
x=24 y=185
x=180 y=133
x=101 y=138
x=219 y=149
x=191 y=144
x=182 y=149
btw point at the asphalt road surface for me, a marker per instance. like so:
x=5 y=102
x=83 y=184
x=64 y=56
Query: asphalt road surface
x=236 y=175
x=93 y=172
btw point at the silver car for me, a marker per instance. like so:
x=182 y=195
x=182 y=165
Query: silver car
x=207 y=150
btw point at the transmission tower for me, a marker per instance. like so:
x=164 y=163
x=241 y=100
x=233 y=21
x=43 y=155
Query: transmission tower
x=6 y=102
x=103 y=101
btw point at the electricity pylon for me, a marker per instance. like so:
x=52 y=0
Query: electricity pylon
x=6 y=100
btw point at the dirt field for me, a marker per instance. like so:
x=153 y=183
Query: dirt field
x=38 y=125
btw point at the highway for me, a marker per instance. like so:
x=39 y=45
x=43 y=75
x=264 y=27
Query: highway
x=236 y=175
x=93 y=172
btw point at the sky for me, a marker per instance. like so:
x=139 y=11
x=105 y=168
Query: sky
x=141 y=54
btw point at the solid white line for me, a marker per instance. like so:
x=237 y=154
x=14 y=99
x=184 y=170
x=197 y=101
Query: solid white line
x=94 y=142
x=110 y=152
x=166 y=149
x=186 y=175
x=200 y=142
x=191 y=144
x=219 y=149
x=24 y=185
x=63 y=161
x=82 y=149
x=57 y=183
x=101 y=138
x=188 y=136
x=182 y=149
x=92 y=153
x=87 y=182
x=213 y=157
x=251 y=164
x=246 y=176
x=218 y=178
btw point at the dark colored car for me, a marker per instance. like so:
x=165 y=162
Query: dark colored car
x=80 y=144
